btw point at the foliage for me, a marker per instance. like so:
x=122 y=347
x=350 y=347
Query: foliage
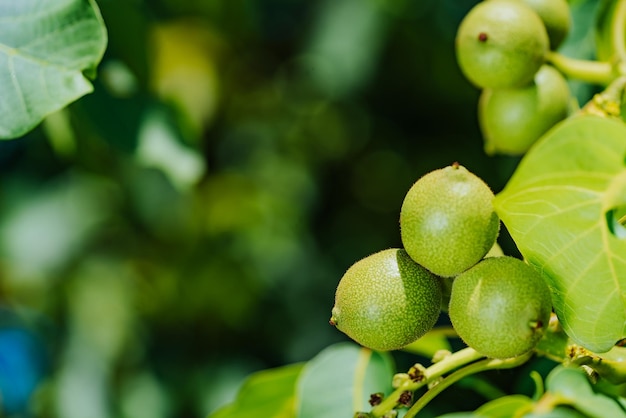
x=570 y=188
x=564 y=208
x=46 y=50
x=184 y=224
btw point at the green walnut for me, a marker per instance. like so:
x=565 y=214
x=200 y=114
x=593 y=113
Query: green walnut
x=500 y=307
x=501 y=43
x=447 y=220
x=386 y=301
x=512 y=120
x=556 y=17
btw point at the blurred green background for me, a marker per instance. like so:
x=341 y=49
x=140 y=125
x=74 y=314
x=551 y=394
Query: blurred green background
x=187 y=223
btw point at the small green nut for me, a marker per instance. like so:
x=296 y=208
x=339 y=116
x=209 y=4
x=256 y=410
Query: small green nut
x=500 y=307
x=512 y=120
x=447 y=220
x=501 y=44
x=386 y=301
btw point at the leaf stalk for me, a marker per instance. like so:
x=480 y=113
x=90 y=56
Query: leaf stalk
x=454 y=361
x=480 y=366
x=595 y=72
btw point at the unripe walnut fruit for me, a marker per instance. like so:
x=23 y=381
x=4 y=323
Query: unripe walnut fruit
x=386 y=301
x=512 y=120
x=447 y=220
x=500 y=307
x=501 y=43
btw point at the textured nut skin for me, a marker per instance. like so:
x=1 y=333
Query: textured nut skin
x=512 y=120
x=501 y=44
x=447 y=220
x=500 y=307
x=386 y=301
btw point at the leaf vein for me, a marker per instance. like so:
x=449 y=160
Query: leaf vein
x=17 y=87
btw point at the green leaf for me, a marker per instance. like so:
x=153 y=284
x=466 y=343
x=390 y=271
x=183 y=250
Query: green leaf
x=604 y=30
x=557 y=206
x=339 y=381
x=504 y=407
x=572 y=387
x=45 y=47
x=579 y=42
x=268 y=393
x=558 y=412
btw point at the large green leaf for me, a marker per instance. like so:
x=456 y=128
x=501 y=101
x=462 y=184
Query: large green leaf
x=45 y=46
x=559 y=208
x=339 y=381
x=268 y=393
